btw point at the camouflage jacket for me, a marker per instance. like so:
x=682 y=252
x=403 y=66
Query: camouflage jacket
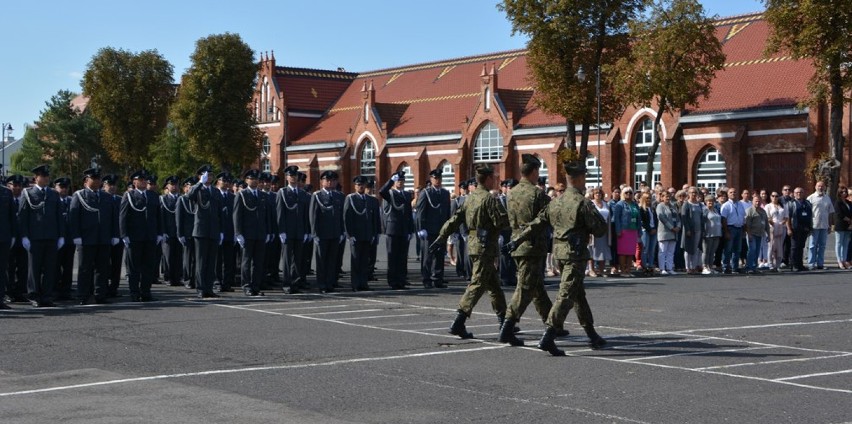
x=525 y=202
x=573 y=218
x=485 y=217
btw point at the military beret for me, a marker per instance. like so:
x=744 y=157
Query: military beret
x=572 y=162
x=530 y=159
x=62 y=182
x=41 y=170
x=251 y=174
x=361 y=180
x=484 y=169
x=93 y=173
x=328 y=175
x=436 y=173
x=292 y=171
x=203 y=169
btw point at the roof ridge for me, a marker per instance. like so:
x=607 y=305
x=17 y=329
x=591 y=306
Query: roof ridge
x=445 y=62
x=752 y=16
x=327 y=73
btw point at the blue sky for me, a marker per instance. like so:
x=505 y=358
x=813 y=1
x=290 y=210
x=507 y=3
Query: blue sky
x=45 y=46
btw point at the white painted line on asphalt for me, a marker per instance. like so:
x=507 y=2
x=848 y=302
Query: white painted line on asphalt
x=728 y=339
x=752 y=327
x=448 y=322
x=780 y=361
x=448 y=326
x=356 y=311
x=705 y=352
x=311 y=308
x=249 y=369
x=821 y=374
x=379 y=316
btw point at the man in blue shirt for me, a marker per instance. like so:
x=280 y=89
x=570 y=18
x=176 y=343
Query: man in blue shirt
x=734 y=214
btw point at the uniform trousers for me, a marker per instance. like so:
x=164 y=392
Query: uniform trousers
x=252 y=268
x=65 y=269
x=189 y=262
x=432 y=264
x=292 y=262
x=374 y=249
x=142 y=266
x=116 y=255
x=4 y=270
x=397 y=246
x=41 y=273
x=797 y=246
x=206 y=250
x=461 y=257
x=484 y=278
x=307 y=257
x=93 y=268
x=530 y=288
x=17 y=271
x=326 y=257
x=572 y=294
x=172 y=256
x=360 y=262
x=270 y=263
x=225 y=264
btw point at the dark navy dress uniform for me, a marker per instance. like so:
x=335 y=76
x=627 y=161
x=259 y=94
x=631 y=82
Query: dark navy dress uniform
x=326 y=217
x=291 y=213
x=433 y=210
x=18 y=256
x=207 y=232
x=65 y=255
x=361 y=224
x=172 y=249
x=251 y=229
x=93 y=229
x=140 y=228
x=399 y=225
x=42 y=225
x=225 y=264
x=185 y=216
x=8 y=232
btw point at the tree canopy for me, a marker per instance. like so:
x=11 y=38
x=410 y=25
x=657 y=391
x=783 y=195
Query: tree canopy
x=129 y=94
x=212 y=106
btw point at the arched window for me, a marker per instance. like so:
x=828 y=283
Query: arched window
x=489 y=144
x=710 y=171
x=542 y=171
x=642 y=142
x=266 y=165
x=593 y=172
x=409 y=178
x=368 y=159
x=448 y=176
x=266 y=148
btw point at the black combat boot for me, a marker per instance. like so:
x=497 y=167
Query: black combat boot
x=595 y=340
x=548 y=343
x=507 y=335
x=458 y=327
x=562 y=333
x=500 y=318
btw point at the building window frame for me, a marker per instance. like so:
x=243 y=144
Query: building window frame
x=643 y=139
x=488 y=145
x=367 y=159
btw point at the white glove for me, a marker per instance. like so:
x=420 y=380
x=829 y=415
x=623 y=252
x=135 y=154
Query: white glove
x=159 y=239
x=268 y=238
x=182 y=240
x=343 y=237
x=241 y=240
x=283 y=237
x=310 y=237
x=12 y=244
x=408 y=237
x=500 y=240
x=422 y=234
x=376 y=240
x=26 y=243
x=395 y=178
x=165 y=237
x=221 y=238
x=204 y=178
x=60 y=242
x=113 y=241
x=126 y=241
x=77 y=241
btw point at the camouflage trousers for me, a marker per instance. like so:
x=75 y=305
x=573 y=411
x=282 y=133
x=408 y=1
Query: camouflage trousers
x=530 y=289
x=571 y=294
x=484 y=277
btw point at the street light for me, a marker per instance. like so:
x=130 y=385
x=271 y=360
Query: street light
x=581 y=76
x=7 y=129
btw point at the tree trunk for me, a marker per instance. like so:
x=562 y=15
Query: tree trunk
x=571 y=137
x=835 y=123
x=655 y=144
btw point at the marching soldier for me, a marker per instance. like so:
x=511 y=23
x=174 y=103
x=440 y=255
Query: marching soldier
x=94 y=230
x=326 y=217
x=291 y=207
x=373 y=204
x=399 y=225
x=18 y=269
x=251 y=231
x=433 y=210
x=225 y=264
x=508 y=270
x=573 y=218
x=65 y=255
x=485 y=218
x=361 y=224
x=42 y=225
x=139 y=224
x=185 y=215
x=116 y=254
x=206 y=231
x=172 y=249
x=525 y=202
x=8 y=234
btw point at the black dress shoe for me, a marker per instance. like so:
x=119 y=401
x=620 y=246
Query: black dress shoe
x=226 y=290
x=46 y=304
x=292 y=290
x=63 y=297
x=101 y=301
x=135 y=298
x=19 y=299
x=174 y=284
x=441 y=285
x=5 y=306
x=208 y=295
x=148 y=299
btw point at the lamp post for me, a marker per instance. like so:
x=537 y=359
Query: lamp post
x=581 y=76
x=7 y=129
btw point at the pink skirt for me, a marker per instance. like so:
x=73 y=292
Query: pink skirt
x=627 y=242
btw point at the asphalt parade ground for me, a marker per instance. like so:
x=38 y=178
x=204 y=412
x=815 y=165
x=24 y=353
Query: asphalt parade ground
x=771 y=348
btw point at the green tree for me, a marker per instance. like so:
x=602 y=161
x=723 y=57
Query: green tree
x=566 y=35
x=673 y=62
x=212 y=106
x=169 y=155
x=129 y=94
x=820 y=31
x=63 y=137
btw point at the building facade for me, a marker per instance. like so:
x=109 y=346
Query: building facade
x=454 y=114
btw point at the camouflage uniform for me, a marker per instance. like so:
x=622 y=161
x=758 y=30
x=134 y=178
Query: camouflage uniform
x=573 y=218
x=485 y=218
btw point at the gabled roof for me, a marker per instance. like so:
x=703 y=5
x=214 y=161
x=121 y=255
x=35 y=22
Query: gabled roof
x=312 y=90
x=435 y=97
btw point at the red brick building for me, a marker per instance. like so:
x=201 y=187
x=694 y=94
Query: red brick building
x=459 y=112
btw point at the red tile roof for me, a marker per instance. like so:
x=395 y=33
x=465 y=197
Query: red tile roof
x=434 y=98
x=312 y=90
